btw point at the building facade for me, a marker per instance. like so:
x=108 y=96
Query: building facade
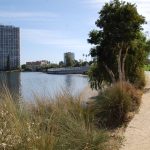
x=35 y=65
x=69 y=55
x=9 y=47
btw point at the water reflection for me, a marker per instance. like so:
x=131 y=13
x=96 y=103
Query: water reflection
x=68 y=81
x=10 y=81
x=26 y=84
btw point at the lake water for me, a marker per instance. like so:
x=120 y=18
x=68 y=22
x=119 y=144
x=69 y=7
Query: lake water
x=26 y=84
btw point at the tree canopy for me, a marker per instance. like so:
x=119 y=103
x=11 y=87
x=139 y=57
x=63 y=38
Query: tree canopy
x=118 y=43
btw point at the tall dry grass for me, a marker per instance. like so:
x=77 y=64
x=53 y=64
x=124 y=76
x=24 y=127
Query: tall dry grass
x=63 y=123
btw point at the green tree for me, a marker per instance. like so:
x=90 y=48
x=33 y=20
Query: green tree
x=61 y=64
x=24 y=66
x=136 y=58
x=76 y=63
x=119 y=26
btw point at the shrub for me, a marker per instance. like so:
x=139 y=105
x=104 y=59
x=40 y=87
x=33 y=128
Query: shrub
x=113 y=104
x=139 y=81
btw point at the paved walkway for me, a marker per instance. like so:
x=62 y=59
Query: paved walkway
x=137 y=135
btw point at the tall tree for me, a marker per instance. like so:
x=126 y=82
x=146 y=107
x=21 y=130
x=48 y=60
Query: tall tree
x=119 y=25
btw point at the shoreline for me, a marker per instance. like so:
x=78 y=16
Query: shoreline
x=87 y=94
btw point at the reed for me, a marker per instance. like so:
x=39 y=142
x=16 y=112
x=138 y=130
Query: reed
x=63 y=123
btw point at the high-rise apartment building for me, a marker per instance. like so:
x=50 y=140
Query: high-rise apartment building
x=9 y=47
x=69 y=55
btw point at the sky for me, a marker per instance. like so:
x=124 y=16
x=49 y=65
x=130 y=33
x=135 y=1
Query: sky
x=49 y=28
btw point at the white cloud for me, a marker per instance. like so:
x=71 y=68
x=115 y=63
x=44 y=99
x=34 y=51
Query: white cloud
x=96 y=4
x=94 y=1
x=4 y=14
x=55 y=38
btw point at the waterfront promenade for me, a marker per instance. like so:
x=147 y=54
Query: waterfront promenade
x=68 y=70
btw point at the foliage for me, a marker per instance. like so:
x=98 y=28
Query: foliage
x=61 y=64
x=76 y=63
x=147 y=67
x=55 y=124
x=97 y=78
x=140 y=80
x=23 y=66
x=136 y=58
x=113 y=104
x=120 y=27
x=53 y=65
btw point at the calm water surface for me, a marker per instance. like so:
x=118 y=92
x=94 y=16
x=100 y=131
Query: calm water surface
x=27 y=84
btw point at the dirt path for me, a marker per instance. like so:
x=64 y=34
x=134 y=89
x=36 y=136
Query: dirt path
x=137 y=134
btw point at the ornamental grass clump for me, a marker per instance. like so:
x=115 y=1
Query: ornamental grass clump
x=113 y=105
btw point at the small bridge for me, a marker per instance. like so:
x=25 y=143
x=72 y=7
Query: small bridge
x=68 y=70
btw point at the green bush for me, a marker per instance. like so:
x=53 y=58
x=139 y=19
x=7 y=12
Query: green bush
x=147 y=67
x=113 y=104
x=140 y=79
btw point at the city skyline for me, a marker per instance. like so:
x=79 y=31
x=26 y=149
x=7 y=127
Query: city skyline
x=48 y=28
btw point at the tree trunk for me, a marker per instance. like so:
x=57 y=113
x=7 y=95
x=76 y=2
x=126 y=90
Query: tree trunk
x=111 y=74
x=119 y=65
x=123 y=64
x=120 y=62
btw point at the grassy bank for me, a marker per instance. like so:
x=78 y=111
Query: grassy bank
x=66 y=122
x=63 y=123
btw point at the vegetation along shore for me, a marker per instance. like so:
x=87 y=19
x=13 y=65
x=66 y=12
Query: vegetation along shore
x=69 y=122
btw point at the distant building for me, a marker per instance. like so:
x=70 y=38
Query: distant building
x=69 y=55
x=34 y=65
x=9 y=47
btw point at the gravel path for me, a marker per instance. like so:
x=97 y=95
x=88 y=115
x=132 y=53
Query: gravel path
x=137 y=134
